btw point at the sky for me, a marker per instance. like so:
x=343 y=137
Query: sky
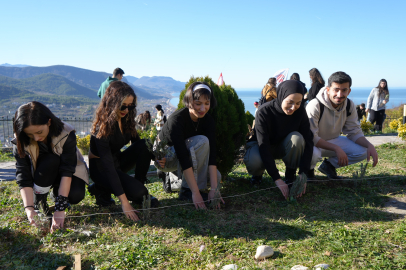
x=247 y=41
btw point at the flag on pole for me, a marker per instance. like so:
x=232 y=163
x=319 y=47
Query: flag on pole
x=281 y=75
x=220 y=81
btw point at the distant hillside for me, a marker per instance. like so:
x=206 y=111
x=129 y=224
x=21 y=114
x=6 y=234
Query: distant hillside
x=49 y=84
x=9 y=94
x=161 y=83
x=130 y=79
x=8 y=65
x=82 y=77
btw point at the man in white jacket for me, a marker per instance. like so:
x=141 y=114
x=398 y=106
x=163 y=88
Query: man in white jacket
x=331 y=114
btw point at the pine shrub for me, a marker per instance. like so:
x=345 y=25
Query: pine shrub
x=250 y=118
x=231 y=122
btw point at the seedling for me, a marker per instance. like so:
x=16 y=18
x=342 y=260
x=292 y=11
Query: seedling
x=298 y=187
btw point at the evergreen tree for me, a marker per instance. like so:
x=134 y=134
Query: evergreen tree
x=250 y=118
x=231 y=122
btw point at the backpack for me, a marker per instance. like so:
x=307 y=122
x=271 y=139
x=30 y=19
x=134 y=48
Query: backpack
x=262 y=100
x=348 y=108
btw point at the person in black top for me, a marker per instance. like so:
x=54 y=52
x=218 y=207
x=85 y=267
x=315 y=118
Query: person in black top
x=317 y=83
x=114 y=127
x=361 y=111
x=47 y=158
x=282 y=131
x=191 y=134
x=296 y=77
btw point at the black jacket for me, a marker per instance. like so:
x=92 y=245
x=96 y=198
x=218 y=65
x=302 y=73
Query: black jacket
x=180 y=126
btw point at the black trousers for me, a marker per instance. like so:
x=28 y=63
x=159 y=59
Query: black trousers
x=377 y=118
x=138 y=156
x=47 y=174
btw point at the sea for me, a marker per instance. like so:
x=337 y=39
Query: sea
x=397 y=96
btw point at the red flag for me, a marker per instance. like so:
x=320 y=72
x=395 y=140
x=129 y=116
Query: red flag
x=220 y=81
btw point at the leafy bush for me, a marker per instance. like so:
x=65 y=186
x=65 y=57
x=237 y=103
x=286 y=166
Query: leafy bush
x=402 y=131
x=366 y=126
x=250 y=118
x=148 y=133
x=394 y=125
x=83 y=144
x=231 y=122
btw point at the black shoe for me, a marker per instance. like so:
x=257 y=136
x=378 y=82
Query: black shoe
x=311 y=175
x=166 y=181
x=329 y=170
x=290 y=176
x=185 y=194
x=256 y=180
x=41 y=204
x=102 y=198
x=154 y=202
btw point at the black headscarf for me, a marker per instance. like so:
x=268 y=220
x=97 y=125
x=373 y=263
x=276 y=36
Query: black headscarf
x=285 y=89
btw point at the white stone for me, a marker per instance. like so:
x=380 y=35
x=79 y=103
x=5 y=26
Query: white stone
x=263 y=252
x=299 y=267
x=202 y=247
x=322 y=266
x=230 y=267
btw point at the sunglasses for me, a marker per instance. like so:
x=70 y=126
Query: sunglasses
x=130 y=107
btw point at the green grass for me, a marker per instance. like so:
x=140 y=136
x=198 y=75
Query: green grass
x=341 y=223
x=6 y=156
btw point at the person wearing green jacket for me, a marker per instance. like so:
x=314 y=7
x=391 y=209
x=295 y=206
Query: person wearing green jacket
x=117 y=76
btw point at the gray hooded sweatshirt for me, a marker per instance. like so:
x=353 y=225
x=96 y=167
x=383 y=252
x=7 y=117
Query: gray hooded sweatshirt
x=333 y=121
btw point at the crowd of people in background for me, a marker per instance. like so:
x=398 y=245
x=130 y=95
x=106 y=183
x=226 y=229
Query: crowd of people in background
x=296 y=125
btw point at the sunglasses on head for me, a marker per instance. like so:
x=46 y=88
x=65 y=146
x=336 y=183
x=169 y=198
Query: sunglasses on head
x=130 y=107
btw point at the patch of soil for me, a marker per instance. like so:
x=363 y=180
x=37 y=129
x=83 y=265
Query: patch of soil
x=396 y=206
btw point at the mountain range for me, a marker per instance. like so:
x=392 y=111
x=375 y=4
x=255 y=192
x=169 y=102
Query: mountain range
x=73 y=81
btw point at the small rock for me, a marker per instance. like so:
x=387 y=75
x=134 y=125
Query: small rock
x=230 y=267
x=322 y=266
x=299 y=267
x=263 y=252
x=88 y=233
x=202 y=247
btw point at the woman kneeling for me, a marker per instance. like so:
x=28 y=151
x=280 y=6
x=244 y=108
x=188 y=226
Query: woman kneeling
x=282 y=131
x=113 y=128
x=47 y=157
x=191 y=134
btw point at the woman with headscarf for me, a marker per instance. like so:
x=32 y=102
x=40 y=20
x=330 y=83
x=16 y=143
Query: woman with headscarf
x=282 y=131
x=190 y=133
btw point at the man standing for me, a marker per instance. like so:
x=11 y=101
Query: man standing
x=117 y=76
x=331 y=113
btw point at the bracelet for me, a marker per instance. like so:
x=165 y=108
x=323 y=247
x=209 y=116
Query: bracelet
x=29 y=206
x=61 y=203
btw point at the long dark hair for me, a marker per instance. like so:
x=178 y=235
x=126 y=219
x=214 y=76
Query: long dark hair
x=385 y=89
x=106 y=114
x=145 y=118
x=159 y=108
x=32 y=114
x=295 y=77
x=316 y=77
x=191 y=95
